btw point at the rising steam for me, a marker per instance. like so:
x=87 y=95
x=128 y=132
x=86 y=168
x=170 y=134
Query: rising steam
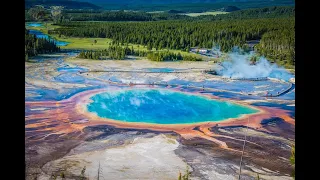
x=238 y=65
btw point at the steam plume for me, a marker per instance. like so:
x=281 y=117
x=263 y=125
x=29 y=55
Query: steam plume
x=238 y=65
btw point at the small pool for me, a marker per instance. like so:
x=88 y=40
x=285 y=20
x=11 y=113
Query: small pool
x=69 y=78
x=34 y=25
x=161 y=69
x=160 y=106
x=281 y=74
x=39 y=34
x=71 y=69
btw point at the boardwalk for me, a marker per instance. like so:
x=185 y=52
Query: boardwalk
x=291 y=86
x=124 y=71
x=202 y=88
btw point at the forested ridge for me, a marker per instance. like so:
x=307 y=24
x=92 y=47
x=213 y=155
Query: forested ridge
x=100 y=15
x=198 y=6
x=183 y=35
x=255 y=13
x=85 y=15
x=35 y=46
x=66 y=3
x=124 y=16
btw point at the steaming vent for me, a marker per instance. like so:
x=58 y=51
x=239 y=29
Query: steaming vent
x=239 y=67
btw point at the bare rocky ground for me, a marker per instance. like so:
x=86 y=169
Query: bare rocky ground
x=143 y=154
x=270 y=159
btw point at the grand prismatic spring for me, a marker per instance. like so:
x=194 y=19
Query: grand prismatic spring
x=162 y=107
x=138 y=119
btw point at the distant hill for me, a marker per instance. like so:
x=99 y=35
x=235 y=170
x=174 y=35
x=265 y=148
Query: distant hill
x=161 y=5
x=141 y=2
x=68 y=4
x=175 y=11
x=230 y=8
x=186 y=5
x=164 y=1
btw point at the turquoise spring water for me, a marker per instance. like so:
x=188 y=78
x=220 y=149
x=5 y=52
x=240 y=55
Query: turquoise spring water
x=39 y=34
x=160 y=69
x=162 y=107
x=34 y=25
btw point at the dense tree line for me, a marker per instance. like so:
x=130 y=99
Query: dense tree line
x=278 y=45
x=124 y=16
x=119 y=53
x=83 y=11
x=177 y=34
x=110 y=16
x=35 y=46
x=112 y=52
x=170 y=56
x=183 y=35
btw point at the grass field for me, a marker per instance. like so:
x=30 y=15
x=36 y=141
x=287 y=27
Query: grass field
x=205 y=13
